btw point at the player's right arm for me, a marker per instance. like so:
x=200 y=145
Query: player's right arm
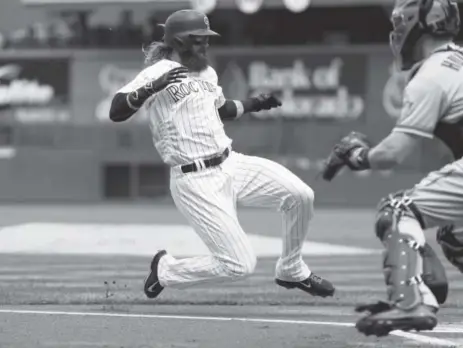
x=424 y=104
x=132 y=96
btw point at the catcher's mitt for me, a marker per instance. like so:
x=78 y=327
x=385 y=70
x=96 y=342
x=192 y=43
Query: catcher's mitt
x=341 y=155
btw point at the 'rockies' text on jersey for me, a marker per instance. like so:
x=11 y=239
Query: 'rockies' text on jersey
x=433 y=99
x=184 y=118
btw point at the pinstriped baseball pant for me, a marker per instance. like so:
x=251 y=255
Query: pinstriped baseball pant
x=208 y=199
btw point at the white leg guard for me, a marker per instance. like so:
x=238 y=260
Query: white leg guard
x=410 y=227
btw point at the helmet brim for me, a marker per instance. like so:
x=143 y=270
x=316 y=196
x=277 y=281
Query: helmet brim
x=197 y=32
x=203 y=32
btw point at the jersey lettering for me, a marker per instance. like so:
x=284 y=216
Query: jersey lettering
x=179 y=91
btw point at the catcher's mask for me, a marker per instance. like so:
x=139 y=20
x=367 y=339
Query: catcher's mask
x=413 y=19
x=182 y=26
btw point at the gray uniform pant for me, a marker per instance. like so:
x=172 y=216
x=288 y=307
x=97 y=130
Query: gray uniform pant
x=439 y=196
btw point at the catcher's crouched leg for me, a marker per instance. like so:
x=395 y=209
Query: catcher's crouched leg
x=410 y=304
x=434 y=275
x=451 y=242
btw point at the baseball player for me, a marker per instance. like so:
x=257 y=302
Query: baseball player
x=422 y=43
x=180 y=92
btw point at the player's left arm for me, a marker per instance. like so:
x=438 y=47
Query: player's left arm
x=230 y=109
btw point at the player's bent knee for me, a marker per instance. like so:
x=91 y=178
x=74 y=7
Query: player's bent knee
x=405 y=223
x=240 y=268
x=304 y=196
x=395 y=203
x=383 y=223
x=452 y=245
x=309 y=195
x=300 y=198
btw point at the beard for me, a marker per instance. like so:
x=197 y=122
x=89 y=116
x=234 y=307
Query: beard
x=194 y=61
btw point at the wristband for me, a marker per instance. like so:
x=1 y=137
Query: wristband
x=134 y=95
x=239 y=108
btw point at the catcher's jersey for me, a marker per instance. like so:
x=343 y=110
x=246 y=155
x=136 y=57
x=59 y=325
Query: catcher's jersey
x=433 y=99
x=184 y=119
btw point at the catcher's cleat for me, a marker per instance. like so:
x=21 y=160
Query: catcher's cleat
x=374 y=308
x=152 y=287
x=382 y=323
x=313 y=285
x=382 y=306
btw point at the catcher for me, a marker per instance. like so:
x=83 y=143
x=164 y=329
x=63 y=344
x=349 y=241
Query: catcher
x=422 y=44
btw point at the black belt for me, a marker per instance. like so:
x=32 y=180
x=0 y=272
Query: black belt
x=211 y=162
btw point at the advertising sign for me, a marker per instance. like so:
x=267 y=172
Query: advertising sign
x=35 y=89
x=311 y=86
x=97 y=77
x=111 y=78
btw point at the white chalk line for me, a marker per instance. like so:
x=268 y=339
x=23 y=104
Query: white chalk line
x=426 y=339
x=407 y=335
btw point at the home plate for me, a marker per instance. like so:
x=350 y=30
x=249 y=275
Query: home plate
x=141 y=240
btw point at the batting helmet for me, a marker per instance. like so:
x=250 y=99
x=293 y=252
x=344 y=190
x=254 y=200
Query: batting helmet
x=412 y=19
x=183 y=23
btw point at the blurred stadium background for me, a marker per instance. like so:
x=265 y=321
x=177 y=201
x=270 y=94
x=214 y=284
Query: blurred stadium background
x=328 y=60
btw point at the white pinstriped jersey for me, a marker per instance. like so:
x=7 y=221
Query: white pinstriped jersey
x=184 y=118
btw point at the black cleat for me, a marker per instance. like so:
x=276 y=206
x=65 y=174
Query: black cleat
x=313 y=285
x=382 y=323
x=152 y=287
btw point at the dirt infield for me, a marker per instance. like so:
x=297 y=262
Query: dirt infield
x=90 y=301
x=97 y=300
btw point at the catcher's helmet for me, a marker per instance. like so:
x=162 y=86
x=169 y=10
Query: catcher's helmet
x=412 y=19
x=184 y=23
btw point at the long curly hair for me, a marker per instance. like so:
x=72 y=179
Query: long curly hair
x=156 y=51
